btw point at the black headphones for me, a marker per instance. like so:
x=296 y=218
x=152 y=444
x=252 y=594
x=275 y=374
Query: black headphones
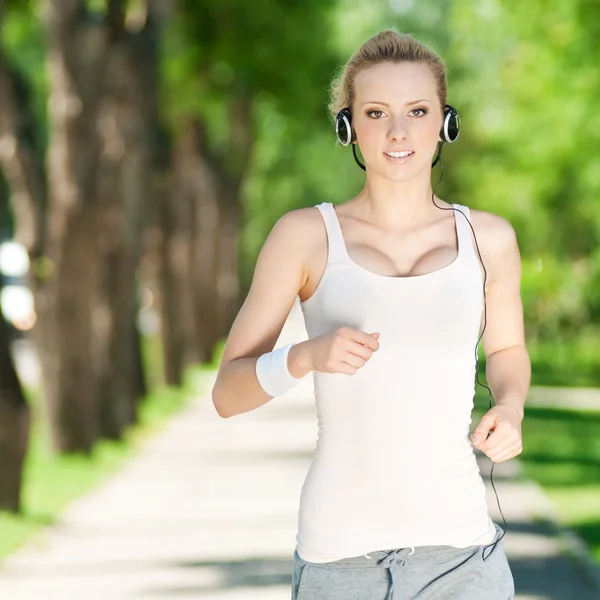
x=345 y=133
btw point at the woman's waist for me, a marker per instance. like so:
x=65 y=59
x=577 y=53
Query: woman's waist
x=392 y=429
x=388 y=466
x=343 y=496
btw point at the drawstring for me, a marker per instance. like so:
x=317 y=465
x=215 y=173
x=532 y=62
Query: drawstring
x=393 y=562
x=412 y=549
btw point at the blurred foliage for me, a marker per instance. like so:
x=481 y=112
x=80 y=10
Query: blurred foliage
x=24 y=43
x=280 y=55
x=523 y=76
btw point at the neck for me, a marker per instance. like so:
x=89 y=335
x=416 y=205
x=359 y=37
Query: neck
x=398 y=206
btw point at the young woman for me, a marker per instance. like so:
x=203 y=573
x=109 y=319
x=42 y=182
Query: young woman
x=396 y=287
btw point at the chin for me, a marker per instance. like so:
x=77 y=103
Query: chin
x=399 y=174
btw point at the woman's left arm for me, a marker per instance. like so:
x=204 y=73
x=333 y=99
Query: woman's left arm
x=508 y=368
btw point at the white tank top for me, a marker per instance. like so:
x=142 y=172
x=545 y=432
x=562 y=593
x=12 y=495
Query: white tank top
x=394 y=465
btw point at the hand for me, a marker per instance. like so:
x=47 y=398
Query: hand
x=344 y=350
x=505 y=441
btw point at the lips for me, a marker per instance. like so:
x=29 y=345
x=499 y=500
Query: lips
x=399 y=156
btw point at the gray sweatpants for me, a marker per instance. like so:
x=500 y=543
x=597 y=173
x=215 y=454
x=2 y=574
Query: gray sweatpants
x=420 y=573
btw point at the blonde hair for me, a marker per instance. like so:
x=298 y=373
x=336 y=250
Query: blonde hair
x=386 y=46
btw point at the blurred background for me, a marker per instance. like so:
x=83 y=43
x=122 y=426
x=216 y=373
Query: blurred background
x=147 y=147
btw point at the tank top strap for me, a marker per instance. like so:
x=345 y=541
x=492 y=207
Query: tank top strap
x=335 y=239
x=464 y=232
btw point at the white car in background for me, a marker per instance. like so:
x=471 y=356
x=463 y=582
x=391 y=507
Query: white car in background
x=16 y=299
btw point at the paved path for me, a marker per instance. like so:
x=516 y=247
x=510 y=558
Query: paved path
x=208 y=511
x=561 y=397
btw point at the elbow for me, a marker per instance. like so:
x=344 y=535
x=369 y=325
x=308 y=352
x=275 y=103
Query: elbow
x=519 y=348
x=219 y=405
x=223 y=415
x=221 y=411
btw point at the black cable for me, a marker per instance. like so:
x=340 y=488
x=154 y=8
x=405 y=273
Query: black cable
x=356 y=158
x=439 y=156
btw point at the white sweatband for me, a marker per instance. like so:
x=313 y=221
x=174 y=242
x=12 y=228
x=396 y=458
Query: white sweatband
x=273 y=373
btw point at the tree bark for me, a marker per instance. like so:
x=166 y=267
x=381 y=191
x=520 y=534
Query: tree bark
x=194 y=184
x=130 y=125
x=218 y=209
x=23 y=171
x=228 y=286
x=229 y=173
x=76 y=58
x=14 y=426
x=65 y=248
x=169 y=250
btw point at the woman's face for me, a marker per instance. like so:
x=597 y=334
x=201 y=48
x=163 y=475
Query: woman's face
x=396 y=108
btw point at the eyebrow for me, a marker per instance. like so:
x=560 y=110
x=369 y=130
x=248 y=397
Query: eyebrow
x=407 y=104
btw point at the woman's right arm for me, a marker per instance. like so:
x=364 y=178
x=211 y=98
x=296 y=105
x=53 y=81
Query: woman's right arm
x=278 y=277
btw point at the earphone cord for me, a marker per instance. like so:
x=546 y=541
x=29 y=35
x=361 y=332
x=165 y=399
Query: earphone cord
x=439 y=156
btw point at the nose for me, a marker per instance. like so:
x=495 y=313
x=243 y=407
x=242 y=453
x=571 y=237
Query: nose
x=398 y=129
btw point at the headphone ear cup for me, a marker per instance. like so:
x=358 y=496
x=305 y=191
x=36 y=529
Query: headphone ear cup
x=450 y=125
x=343 y=127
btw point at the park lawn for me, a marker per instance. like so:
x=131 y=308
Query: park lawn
x=561 y=452
x=52 y=482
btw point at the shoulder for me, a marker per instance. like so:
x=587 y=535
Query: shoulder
x=494 y=232
x=289 y=247
x=300 y=217
x=498 y=245
x=298 y=236
x=302 y=226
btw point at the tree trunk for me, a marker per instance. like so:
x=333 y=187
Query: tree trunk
x=129 y=135
x=14 y=426
x=194 y=183
x=167 y=300
x=103 y=147
x=140 y=385
x=228 y=288
x=64 y=337
x=23 y=172
x=77 y=48
x=229 y=172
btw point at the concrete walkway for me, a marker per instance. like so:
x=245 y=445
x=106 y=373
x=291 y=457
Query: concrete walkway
x=208 y=508
x=559 y=397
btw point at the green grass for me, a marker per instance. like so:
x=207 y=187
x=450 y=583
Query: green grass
x=52 y=482
x=563 y=361
x=571 y=362
x=561 y=452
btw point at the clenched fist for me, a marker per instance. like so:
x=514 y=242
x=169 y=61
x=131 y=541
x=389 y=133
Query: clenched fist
x=344 y=350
